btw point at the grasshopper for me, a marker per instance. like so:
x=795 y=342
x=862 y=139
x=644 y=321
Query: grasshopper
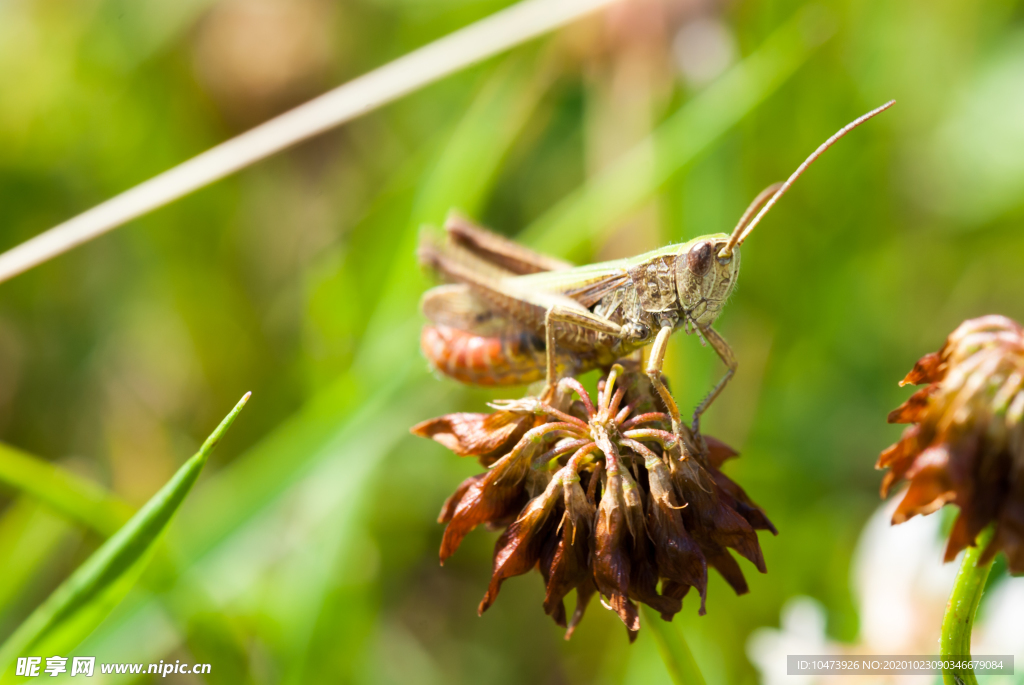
x=512 y=316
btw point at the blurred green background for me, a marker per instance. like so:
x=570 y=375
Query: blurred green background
x=307 y=552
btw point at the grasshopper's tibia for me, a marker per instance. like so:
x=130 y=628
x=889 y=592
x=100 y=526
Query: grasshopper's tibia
x=729 y=359
x=655 y=363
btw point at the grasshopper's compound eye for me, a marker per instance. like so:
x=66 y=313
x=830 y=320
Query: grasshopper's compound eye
x=698 y=259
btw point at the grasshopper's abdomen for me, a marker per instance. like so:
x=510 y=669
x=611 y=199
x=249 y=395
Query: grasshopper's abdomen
x=513 y=359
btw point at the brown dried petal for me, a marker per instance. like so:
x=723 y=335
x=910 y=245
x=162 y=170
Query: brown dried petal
x=1010 y=541
x=519 y=548
x=903 y=451
x=930 y=486
x=487 y=436
x=497 y=495
x=679 y=558
x=959 y=538
x=899 y=457
x=452 y=503
x=979 y=477
x=928 y=369
x=1011 y=546
x=565 y=559
x=584 y=592
x=579 y=510
x=634 y=506
x=720 y=560
x=735 y=497
x=611 y=560
x=913 y=410
x=1010 y=530
x=671 y=588
x=552 y=566
x=718 y=451
x=963 y=340
x=565 y=567
x=708 y=518
x=979 y=498
x=643 y=581
x=516 y=551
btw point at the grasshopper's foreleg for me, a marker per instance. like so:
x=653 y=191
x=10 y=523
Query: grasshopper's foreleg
x=654 y=367
x=574 y=317
x=725 y=354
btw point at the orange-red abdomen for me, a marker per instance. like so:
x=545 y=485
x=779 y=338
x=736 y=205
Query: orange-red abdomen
x=483 y=360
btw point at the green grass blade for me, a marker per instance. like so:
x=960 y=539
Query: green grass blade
x=672 y=646
x=343 y=433
x=345 y=460
x=30 y=534
x=69 y=495
x=80 y=603
x=694 y=128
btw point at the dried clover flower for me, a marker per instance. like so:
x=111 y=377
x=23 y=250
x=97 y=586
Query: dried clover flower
x=966 y=444
x=600 y=498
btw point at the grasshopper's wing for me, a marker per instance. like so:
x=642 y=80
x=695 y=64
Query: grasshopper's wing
x=493 y=300
x=490 y=286
x=452 y=262
x=499 y=250
x=456 y=306
x=585 y=285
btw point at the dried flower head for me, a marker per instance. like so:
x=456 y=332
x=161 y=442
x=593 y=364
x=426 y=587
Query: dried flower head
x=601 y=498
x=966 y=442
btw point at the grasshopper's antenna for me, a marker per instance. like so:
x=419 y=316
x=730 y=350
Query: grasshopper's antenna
x=757 y=204
x=743 y=228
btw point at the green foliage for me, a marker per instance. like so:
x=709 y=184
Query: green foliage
x=66 y=493
x=673 y=648
x=617 y=191
x=307 y=554
x=98 y=585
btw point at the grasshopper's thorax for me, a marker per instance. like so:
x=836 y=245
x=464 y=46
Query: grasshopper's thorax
x=689 y=283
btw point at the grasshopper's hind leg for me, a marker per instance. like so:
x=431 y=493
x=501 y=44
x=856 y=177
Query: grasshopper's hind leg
x=725 y=354
x=580 y=318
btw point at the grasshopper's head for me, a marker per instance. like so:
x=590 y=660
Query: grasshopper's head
x=706 y=268
x=704 y=280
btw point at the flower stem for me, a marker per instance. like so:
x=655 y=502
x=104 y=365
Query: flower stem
x=963 y=605
x=673 y=648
